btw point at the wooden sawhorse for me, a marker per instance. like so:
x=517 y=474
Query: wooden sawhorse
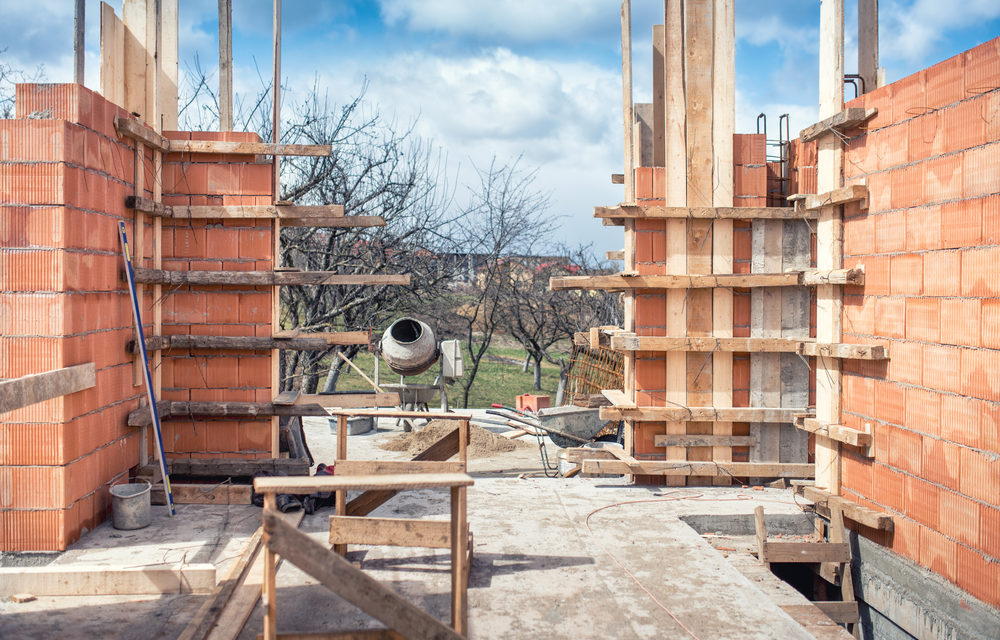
x=352 y=584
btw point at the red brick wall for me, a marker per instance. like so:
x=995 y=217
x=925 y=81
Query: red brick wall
x=930 y=244
x=64 y=176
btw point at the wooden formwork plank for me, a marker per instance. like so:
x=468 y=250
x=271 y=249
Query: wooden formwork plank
x=27 y=390
x=659 y=97
x=97 y=580
x=628 y=122
x=112 y=56
x=676 y=196
x=868 y=43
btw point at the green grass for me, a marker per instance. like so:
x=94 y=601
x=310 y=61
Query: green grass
x=497 y=381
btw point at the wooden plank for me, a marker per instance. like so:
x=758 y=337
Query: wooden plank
x=853 y=511
x=168 y=74
x=182 y=493
x=225 y=65
x=132 y=128
x=851 y=351
x=807 y=551
x=628 y=122
x=701 y=414
x=620 y=282
x=832 y=197
x=244 y=599
x=659 y=97
x=461 y=558
x=287 y=397
x=838 y=432
x=348 y=400
x=618 y=399
x=79 y=24
x=395 y=482
x=868 y=43
x=112 y=55
x=249 y=148
x=850 y=118
x=213 y=212
x=241 y=467
x=136 y=58
x=617 y=178
x=100 y=580
x=655 y=212
x=376 y=467
x=703 y=441
x=739 y=345
x=39 y=387
x=676 y=229
x=615 y=255
x=360 y=634
x=308 y=342
x=208 y=613
x=341 y=577
x=266 y=278
x=393 y=532
x=698 y=468
x=430 y=415
x=829 y=238
x=760 y=528
x=310 y=406
x=838 y=611
x=577 y=455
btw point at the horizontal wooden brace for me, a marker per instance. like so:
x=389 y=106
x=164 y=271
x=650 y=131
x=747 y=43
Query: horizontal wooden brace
x=285 y=213
x=670 y=440
x=617 y=178
x=240 y=467
x=621 y=212
x=842 y=195
x=807 y=552
x=187 y=493
x=395 y=482
x=306 y=405
x=620 y=282
x=691 y=468
x=131 y=128
x=375 y=467
x=305 y=342
x=838 y=350
x=632 y=342
x=700 y=414
x=97 y=580
x=850 y=118
x=852 y=510
x=837 y=432
x=266 y=278
x=395 y=532
x=615 y=255
x=28 y=390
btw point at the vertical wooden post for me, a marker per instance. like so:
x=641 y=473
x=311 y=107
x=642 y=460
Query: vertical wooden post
x=79 y=24
x=341 y=496
x=463 y=444
x=276 y=186
x=868 y=43
x=829 y=241
x=676 y=196
x=723 y=127
x=157 y=186
x=134 y=19
x=225 y=65
x=628 y=123
x=270 y=575
x=659 y=96
x=459 y=556
x=112 y=56
x=167 y=66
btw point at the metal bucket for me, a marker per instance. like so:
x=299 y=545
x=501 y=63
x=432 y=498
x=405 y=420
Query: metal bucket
x=130 y=505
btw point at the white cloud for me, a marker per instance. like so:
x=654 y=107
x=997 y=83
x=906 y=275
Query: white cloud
x=910 y=31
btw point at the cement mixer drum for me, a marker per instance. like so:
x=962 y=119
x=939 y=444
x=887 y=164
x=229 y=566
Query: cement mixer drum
x=409 y=347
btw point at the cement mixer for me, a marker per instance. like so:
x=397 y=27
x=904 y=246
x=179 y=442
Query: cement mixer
x=409 y=348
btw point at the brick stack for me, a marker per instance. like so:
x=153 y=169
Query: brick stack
x=64 y=176
x=930 y=244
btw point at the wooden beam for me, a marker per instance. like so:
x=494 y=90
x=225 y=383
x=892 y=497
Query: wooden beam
x=136 y=58
x=839 y=611
x=39 y=387
x=656 y=212
x=848 y=119
x=831 y=198
x=659 y=96
x=341 y=577
x=112 y=56
x=630 y=342
x=311 y=406
x=169 y=67
x=186 y=493
x=700 y=414
x=239 y=467
x=628 y=121
x=624 y=282
x=799 y=552
x=225 y=65
x=760 y=529
x=852 y=510
x=360 y=634
x=615 y=255
x=266 y=278
x=395 y=482
x=310 y=342
x=132 y=128
x=699 y=468
x=376 y=467
x=671 y=440
x=868 y=43
x=285 y=212
x=100 y=580
x=249 y=148
x=392 y=532
x=79 y=29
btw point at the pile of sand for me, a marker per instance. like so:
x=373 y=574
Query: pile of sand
x=482 y=442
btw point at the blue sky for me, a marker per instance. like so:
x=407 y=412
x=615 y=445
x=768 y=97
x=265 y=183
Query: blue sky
x=530 y=78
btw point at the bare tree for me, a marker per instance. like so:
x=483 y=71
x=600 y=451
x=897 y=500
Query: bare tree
x=9 y=76
x=505 y=218
x=540 y=318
